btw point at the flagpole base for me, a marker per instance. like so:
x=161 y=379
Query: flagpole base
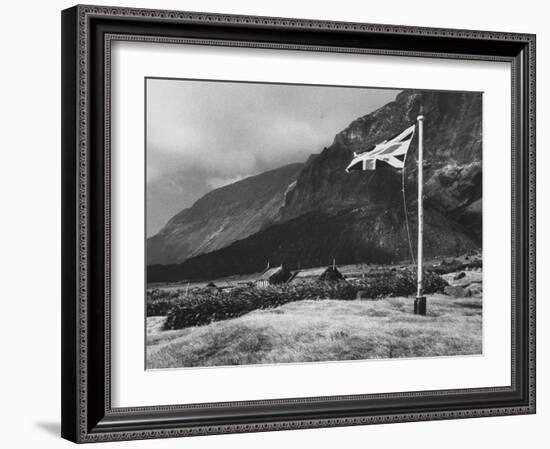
x=420 y=305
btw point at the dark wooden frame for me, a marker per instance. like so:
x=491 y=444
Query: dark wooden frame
x=87 y=32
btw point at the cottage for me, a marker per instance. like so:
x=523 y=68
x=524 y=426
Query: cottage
x=273 y=276
x=212 y=288
x=331 y=274
x=306 y=276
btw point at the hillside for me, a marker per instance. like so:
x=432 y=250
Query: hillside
x=452 y=155
x=314 y=239
x=222 y=216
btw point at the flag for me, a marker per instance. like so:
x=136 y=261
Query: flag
x=392 y=152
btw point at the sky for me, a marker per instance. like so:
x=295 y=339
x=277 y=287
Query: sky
x=202 y=135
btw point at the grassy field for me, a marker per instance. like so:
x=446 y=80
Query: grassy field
x=323 y=330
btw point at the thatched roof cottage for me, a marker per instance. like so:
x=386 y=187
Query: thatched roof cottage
x=331 y=274
x=273 y=276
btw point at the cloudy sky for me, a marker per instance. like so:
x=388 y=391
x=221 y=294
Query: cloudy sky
x=202 y=135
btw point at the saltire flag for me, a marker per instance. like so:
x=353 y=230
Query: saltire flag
x=392 y=151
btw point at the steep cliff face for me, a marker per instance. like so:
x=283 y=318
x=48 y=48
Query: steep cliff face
x=452 y=154
x=223 y=216
x=317 y=211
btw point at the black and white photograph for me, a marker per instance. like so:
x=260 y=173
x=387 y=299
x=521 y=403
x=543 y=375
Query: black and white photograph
x=274 y=221
x=295 y=223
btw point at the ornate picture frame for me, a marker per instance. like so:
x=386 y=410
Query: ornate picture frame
x=88 y=33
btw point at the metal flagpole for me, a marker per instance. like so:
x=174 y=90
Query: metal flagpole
x=420 y=301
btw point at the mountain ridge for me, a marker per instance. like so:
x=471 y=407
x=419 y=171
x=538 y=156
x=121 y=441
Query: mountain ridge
x=222 y=216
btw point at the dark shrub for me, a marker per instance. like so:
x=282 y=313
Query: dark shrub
x=159 y=302
x=201 y=307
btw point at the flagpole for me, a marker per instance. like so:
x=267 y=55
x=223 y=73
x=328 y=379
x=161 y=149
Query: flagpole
x=420 y=301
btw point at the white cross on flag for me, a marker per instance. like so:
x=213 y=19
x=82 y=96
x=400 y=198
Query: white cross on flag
x=392 y=152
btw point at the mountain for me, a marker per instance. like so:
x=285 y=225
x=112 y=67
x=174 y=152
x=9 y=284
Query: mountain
x=325 y=212
x=452 y=155
x=222 y=216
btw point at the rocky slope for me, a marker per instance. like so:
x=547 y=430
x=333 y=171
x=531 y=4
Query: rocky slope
x=452 y=154
x=222 y=216
x=314 y=239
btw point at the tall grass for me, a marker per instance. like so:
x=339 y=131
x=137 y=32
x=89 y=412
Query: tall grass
x=328 y=330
